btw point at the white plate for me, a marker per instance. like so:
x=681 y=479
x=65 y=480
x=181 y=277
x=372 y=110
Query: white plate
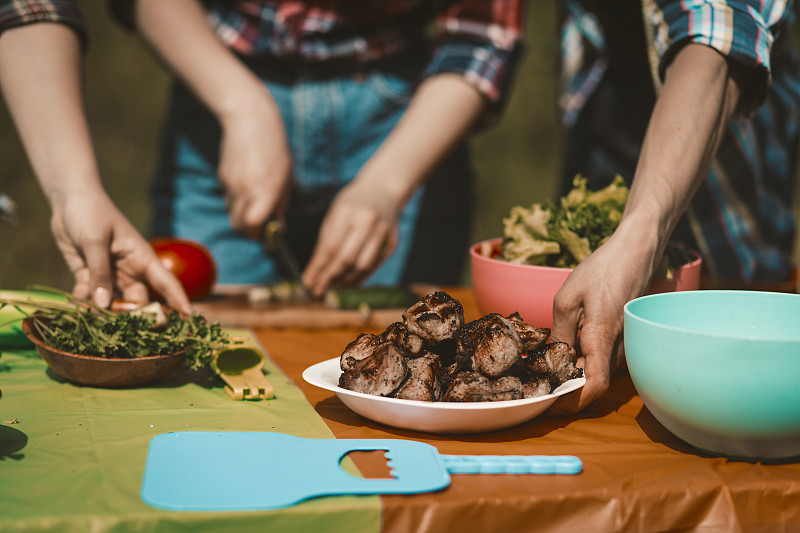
x=435 y=417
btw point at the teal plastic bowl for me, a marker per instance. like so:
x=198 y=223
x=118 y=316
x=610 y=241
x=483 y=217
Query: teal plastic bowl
x=720 y=369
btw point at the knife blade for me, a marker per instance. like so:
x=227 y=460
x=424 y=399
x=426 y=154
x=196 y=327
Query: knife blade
x=274 y=241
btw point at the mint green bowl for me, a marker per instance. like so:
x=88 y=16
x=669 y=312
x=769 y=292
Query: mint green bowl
x=720 y=369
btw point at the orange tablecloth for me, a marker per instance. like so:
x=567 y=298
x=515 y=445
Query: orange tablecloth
x=636 y=475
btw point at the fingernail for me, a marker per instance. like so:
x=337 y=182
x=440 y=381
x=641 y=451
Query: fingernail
x=102 y=297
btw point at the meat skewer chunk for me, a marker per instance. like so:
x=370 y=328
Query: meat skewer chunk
x=536 y=386
x=380 y=374
x=556 y=359
x=507 y=388
x=435 y=318
x=475 y=387
x=398 y=334
x=468 y=387
x=493 y=342
x=361 y=348
x=422 y=382
x=531 y=336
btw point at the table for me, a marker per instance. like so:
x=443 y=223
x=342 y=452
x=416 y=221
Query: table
x=636 y=475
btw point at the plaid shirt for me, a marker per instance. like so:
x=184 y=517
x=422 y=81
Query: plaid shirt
x=741 y=218
x=15 y=13
x=479 y=39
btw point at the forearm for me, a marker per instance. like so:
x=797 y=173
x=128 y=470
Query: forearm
x=688 y=123
x=441 y=112
x=41 y=78
x=180 y=34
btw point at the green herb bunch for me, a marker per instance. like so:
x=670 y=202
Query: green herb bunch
x=584 y=220
x=78 y=326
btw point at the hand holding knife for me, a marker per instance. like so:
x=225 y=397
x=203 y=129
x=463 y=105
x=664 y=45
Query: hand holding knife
x=376 y=297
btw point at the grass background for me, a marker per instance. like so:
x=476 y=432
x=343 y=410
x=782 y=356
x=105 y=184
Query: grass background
x=517 y=161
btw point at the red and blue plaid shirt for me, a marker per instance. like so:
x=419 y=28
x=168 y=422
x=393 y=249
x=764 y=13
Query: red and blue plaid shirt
x=742 y=217
x=15 y=13
x=479 y=39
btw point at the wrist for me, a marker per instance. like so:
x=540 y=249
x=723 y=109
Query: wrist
x=242 y=95
x=394 y=182
x=643 y=236
x=248 y=110
x=67 y=187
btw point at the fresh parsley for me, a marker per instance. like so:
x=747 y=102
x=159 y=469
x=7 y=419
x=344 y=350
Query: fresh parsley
x=79 y=326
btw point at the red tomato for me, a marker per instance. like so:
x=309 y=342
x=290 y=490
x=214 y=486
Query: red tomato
x=190 y=261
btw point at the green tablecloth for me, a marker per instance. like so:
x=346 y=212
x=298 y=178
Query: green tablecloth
x=72 y=458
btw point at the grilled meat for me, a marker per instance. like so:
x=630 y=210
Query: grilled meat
x=435 y=318
x=422 y=382
x=536 y=386
x=459 y=364
x=432 y=355
x=468 y=387
x=446 y=350
x=531 y=336
x=361 y=348
x=475 y=387
x=399 y=335
x=507 y=388
x=381 y=373
x=556 y=359
x=493 y=343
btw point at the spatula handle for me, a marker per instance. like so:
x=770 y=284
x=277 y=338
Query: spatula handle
x=512 y=464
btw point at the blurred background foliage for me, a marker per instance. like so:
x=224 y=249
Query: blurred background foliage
x=517 y=161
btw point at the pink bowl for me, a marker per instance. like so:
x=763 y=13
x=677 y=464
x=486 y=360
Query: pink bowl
x=505 y=288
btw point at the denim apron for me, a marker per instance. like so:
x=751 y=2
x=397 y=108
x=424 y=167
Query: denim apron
x=335 y=121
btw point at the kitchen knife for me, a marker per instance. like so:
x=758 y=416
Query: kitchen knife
x=274 y=240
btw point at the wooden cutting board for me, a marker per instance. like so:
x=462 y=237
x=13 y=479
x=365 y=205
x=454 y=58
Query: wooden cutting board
x=237 y=311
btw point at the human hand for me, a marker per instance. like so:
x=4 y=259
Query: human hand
x=700 y=95
x=358 y=233
x=588 y=312
x=255 y=168
x=107 y=255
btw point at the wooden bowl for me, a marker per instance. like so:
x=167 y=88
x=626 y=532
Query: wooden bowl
x=105 y=372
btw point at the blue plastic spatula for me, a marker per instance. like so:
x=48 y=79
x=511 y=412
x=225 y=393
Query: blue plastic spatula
x=227 y=471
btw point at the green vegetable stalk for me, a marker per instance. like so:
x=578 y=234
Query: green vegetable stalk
x=371 y=297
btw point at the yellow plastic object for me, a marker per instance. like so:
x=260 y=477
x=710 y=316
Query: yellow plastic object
x=242 y=369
